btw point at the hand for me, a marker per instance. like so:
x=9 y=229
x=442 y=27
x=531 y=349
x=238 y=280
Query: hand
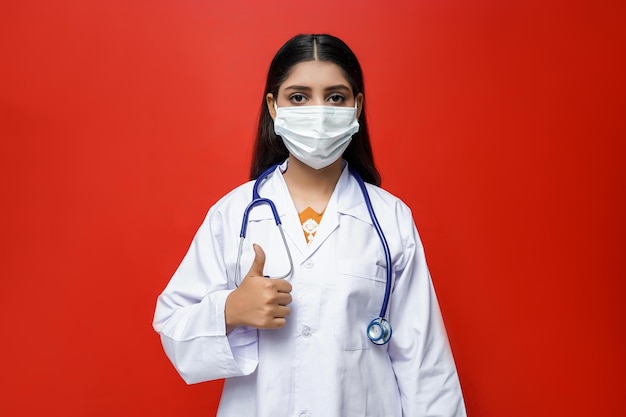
x=258 y=301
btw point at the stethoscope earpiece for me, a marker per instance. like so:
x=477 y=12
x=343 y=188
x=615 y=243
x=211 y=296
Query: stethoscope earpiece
x=379 y=331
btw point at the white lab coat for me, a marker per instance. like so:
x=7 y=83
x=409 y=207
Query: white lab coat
x=321 y=364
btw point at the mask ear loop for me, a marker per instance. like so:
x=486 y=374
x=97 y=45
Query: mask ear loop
x=356 y=109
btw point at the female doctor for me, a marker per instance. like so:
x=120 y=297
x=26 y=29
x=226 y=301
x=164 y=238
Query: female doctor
x=284 y=317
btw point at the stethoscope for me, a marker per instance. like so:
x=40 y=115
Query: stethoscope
x=379 y=329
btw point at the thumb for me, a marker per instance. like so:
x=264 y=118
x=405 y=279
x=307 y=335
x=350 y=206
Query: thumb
x=259 y=261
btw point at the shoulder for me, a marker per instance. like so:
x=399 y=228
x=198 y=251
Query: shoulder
x=229 y=205
x=394 y=215
x=384 y=198
x=239 y=195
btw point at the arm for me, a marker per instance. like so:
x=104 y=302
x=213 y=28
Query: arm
x=419 y=349
x=189 y=314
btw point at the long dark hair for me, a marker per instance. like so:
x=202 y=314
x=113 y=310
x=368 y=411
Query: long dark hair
x=269 y=148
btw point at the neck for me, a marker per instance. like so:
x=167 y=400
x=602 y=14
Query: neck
x=311 y=187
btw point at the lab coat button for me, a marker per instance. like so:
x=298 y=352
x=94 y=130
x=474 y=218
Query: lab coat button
x=308 y=264
x=306 y=331
x=303 y=414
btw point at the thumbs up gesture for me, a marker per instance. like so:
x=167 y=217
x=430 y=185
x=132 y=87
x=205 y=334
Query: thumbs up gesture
x=258 y=301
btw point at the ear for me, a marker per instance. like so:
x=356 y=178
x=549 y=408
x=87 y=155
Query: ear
x=269 y=100
x=359 y=105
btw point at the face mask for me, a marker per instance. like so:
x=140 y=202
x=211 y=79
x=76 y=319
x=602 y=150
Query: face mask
x=316 y=135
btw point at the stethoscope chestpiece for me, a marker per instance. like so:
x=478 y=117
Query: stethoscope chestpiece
x=379 y=331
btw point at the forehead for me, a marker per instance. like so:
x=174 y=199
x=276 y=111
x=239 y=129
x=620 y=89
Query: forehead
x=315 y=74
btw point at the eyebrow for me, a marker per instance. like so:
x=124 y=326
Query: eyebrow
x=298 y=88
x=337 y=87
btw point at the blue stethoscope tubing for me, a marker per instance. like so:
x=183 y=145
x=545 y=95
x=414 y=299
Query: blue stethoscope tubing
x=378 y=330
x=256 y=201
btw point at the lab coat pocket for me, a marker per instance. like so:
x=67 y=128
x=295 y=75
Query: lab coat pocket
x=359 y=294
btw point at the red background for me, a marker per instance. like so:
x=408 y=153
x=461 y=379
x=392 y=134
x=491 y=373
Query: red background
x=501 y=123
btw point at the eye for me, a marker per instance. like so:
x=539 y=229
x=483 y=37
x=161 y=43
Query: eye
x=297 y=98
x=336 y=99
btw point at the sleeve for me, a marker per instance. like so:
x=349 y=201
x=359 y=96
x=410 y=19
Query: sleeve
x=189 y=314
x=419 y=349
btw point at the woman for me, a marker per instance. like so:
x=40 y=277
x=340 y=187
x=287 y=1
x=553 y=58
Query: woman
x=299 y=344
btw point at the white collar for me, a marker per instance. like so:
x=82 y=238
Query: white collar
x=347 y=197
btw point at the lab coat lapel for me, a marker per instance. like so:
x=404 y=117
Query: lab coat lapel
x=277 y=191
x=346 y=199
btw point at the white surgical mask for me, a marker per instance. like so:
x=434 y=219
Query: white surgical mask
x=316 y=135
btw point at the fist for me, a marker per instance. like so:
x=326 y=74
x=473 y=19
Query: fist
x=258 y=301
